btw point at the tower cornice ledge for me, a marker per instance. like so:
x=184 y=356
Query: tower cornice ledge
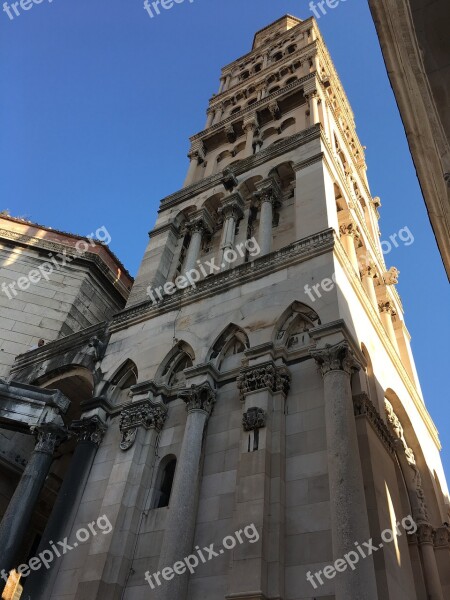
x=290 y=143
x=297 y=252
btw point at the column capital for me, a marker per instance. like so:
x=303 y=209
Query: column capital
x=144 y=413
x=199 y=398
x=391 y=276
x=197 y=151
x=336 y=358
x=91 y=429
x=264 y=376
x=442 y=536
x=48 y=438
x=385 y=306
x=254 y=418
x=268 y=190
x=201 y=221
x=250 y=123
x=425 y=534
x=368 y=269
x=350 y=228
x=232 y=206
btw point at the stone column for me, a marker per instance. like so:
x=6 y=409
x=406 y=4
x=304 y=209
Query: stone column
x=413 y=481
x=349 y=233
x=180 y=524
x=227 y=82
x=386 y=312
x=349 y=520
x=199 y=223
x=196 y=156
x=89 y=433
x=368 y=273
x=222 y=84
x=267 y=195
x=20 y=509
x=313 y=99
x=250 y=125
x=260 y=486
x=209 y=119
x=218 y=113
x=232 y=210
x=425 y=534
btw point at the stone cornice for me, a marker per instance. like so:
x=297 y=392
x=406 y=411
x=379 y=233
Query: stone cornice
x=363 y=407
x=262 y=75
x=163 y=229
x=71 y=253
x=290 y=143
x=56 y=348
x=374 y=318
x=296 y=252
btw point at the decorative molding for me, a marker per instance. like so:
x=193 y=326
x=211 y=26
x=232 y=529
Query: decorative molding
x=144 y=413
x=264 y=376
x=48 y=438
x=297 y=252
x=336 y=358
x=391 y=276
x=425 y=534
x=254 y=418
x=442 y=537
x=363 y=407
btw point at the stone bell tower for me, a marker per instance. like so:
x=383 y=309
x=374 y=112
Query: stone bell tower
x=261 y=373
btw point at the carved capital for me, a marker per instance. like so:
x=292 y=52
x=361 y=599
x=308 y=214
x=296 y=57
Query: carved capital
x=351 y=229
x=232 y=206
x=368 y=269
x=250 y=123
x=442 y=536
x=268 y=190
x=425 y=533
x=386 y=307
x=48 y=438
x=254 y=418
x=201 y=221
x=336 y=358
x=391 y=276
x=264 y=376
x=199 y=398
x=89 y=430
x=197 y=151
x=145 y=413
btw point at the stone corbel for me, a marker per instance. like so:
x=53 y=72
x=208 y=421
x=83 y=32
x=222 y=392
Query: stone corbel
x=274 y=110
x=229 y=180
x=144 y=413
x=230 y=133
x=391 y=276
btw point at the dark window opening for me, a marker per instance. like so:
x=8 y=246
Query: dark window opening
x=166 y=483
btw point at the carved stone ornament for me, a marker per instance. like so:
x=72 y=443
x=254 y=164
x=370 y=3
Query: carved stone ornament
x=274 y=110
x=89 y=430
x=199 y=397
x=145 y=413
x=264 y=376
x=336 y=358
x=229 y=180
x=391 y=276
x=254 y=418
x=421 y=512
x=368 y=270
x=197 y=152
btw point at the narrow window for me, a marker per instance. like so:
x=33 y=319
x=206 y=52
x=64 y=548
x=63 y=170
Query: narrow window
x=165 y=481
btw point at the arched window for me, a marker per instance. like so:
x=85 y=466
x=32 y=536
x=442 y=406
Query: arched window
x=164 y=483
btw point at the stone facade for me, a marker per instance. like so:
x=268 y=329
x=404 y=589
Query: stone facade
x=278 y=395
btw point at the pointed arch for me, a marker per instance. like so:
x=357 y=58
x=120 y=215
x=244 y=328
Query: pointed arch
x=171 y=370
x=123 y=378
x=227 y=351
x=291 y=329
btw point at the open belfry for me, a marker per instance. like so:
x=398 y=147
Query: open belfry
x=252 y=403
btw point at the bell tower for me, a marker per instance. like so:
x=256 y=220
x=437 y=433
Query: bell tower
x=274 y=409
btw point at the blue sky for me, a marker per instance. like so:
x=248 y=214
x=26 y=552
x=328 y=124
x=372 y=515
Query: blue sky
x=98 y=102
